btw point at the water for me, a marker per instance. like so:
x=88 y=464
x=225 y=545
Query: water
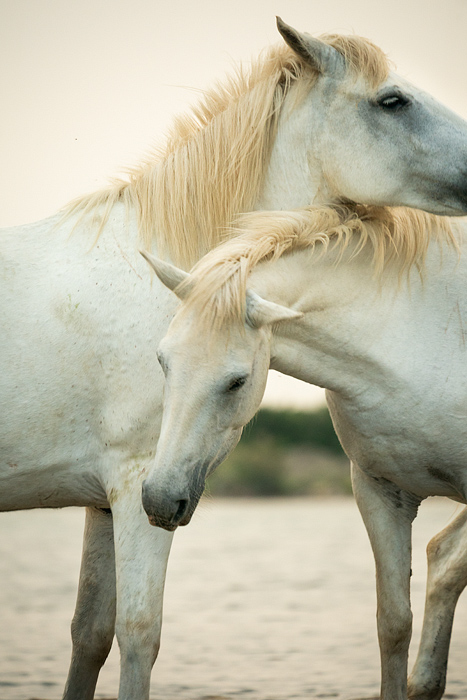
x=265 y=600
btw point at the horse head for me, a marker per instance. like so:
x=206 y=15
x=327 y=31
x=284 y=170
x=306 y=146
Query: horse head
x=214 y=383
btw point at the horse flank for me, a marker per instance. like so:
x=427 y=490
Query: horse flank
x=187 y=194
x=400 y=235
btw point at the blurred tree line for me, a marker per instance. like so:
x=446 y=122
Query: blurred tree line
x=284 y=453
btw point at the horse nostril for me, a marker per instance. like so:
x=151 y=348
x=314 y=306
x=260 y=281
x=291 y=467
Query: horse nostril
x=181 y=510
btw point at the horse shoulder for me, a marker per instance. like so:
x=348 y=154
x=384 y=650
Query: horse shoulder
x=80 y=328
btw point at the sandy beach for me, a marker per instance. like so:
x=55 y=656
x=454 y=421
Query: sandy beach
x=265 y=600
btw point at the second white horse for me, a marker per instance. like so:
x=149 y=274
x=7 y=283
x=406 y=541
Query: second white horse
x=374 y=309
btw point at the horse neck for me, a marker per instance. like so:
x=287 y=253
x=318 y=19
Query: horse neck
x=343 y=306
x=293 y=178
x=362 y=334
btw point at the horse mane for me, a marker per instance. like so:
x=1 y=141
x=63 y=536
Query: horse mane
x=187 y=194
x=218 y=283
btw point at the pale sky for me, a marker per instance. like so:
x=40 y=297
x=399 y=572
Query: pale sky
x=87 y=86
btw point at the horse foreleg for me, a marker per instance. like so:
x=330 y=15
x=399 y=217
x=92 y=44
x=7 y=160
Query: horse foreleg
x=141 y=552
x=447 y=578
x=388 y=513
x=93 y=626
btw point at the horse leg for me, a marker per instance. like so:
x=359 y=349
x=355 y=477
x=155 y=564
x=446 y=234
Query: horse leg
x=388 y=513
x=447 y=578
x=141 y=552
x=93 y=626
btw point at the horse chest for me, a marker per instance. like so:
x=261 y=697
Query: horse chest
x=420 y=445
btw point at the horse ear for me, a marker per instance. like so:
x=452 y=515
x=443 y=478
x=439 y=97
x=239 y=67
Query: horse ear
x=169 y=275
x=260 y=312
x=321 y=56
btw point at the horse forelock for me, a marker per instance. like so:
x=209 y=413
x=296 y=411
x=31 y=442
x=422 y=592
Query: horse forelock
x=188 y=193
x=362 y=57
x=399 y=235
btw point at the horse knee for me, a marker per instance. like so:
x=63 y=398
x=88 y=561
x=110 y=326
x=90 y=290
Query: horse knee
x=395 y=629
x=92 y=641
x=139 y=638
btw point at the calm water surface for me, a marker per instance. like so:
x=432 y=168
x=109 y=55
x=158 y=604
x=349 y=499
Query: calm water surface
x=267 y=600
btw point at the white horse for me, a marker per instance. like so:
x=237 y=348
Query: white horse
x=312 y=121
x=374 y=309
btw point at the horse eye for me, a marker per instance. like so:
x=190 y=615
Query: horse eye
x=392 y=103
x=236 y=384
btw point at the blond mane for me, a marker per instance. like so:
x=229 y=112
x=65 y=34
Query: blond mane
x=399 y=235
x=187 y=194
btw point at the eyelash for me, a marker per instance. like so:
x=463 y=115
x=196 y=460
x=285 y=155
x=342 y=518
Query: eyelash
x=236 y=384
x=392 y=103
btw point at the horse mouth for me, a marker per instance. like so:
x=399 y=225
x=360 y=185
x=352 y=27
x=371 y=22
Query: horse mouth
x=164 y=524
x=169 y=525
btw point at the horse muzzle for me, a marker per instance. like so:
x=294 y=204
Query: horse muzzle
x=167 y=510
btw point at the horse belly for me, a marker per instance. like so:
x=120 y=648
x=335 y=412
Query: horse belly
x=55 y=487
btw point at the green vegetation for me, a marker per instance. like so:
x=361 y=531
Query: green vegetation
x=284 y=453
